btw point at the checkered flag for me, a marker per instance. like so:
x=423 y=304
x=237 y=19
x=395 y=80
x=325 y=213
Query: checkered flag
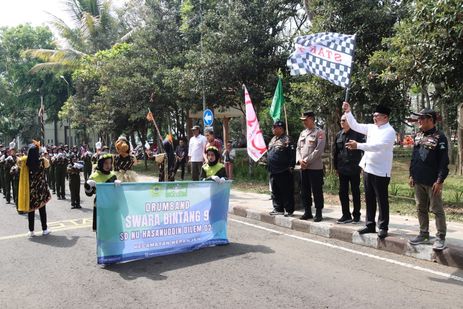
x=326 y=54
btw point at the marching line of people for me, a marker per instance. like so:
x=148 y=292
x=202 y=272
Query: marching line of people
x=365 y=149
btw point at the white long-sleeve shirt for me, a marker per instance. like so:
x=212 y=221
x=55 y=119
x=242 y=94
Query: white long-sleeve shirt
x=377 y=159
x=196 y=148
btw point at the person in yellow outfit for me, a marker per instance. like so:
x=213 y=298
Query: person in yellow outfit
x=213 y=169
x=33 y=190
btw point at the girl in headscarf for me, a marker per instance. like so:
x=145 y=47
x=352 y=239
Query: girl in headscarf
x=124 y=161
x=33 y=189
x=103 y=173
x=213 y=169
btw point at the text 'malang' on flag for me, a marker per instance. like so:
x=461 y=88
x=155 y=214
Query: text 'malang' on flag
x=255 y=140
x=326 y=54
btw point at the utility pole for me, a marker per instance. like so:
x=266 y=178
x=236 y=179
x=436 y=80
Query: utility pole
x=201 y=52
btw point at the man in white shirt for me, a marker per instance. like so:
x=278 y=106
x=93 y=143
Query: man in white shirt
x=376 y=164
x=196 y=148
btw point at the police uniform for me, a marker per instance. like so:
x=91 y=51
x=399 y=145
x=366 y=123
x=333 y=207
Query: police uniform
x=310 y=148
x=280 y=160
x=429 y=164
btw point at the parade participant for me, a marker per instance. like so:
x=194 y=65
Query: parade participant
x=169 y=150
x=280 y=161
x=2 y=169
x=181 y=152
x=61 y=163
x=10 y=161
x=124 y=161
x=428 y=170
x=14 y=172
x=73 y=169
x=33 y=189
x=376 y=164
x=87 y=158
x=309 y=151
x=196 y=149
x=52 y=174
x=96 y=155
x=346 y=163
x=103 y=174
x=213 y=169
x=228 y=156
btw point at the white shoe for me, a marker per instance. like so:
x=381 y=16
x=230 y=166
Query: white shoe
x=46 y=232
x=30 y=234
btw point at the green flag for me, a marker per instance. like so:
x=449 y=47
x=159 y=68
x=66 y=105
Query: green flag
x=278 y=101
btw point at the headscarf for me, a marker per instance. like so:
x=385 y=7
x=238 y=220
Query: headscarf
x=33 y=158
x=103 y=156
x=217 y=155
x=122 y=146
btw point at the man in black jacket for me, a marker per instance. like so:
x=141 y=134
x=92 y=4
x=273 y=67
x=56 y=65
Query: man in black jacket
x=280 y=161
x=346 y=164
x=428 y=170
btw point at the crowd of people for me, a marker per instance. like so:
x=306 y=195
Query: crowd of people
x=31 y=176
x=360 y=148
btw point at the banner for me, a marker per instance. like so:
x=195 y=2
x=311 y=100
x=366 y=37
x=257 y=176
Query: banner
x=143 y=220
x=255 y=140
x=328 y=55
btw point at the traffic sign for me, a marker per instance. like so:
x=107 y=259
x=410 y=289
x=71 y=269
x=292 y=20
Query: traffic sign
x=208 y=117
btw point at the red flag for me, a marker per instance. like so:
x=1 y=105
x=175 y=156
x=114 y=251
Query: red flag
x=255 y=140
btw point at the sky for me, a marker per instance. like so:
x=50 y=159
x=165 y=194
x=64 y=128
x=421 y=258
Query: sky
x=35 y=12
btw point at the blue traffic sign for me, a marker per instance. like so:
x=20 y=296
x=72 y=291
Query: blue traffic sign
x=208 y=117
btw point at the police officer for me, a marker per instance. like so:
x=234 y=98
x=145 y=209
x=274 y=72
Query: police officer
x=346 y=163
x=280 y=161
x=428 y=170
x=309 y=151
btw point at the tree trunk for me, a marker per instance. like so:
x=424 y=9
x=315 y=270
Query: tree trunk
x=447 y=131
x=459 y=163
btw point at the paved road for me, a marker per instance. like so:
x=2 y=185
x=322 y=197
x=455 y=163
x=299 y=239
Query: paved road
x=263 y=267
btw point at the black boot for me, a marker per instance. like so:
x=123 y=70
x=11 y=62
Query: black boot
x=318 y=215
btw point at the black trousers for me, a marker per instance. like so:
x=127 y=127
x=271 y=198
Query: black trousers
x=312 y=183
x=180 y=164
x=74 y=188
x=43 y=218
x=60 y=181
x=7 y=186
x=282 y=191
x=354 y=181
x=376 y=191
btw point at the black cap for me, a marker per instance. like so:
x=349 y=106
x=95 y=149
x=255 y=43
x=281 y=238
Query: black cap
x=307 y=114
x=383 y=110
x=279 y=123
x=427 y=112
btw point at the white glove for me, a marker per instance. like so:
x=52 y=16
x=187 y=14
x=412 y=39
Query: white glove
x=117 y=183
x=91 y=183
x=217 y=179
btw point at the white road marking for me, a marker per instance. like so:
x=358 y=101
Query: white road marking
x=372 y=256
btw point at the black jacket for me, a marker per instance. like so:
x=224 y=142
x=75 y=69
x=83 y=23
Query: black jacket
x=430 y=158
x=280 y=155
x=346 y=161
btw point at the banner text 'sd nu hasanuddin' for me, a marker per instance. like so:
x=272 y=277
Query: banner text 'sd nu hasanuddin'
x=142 y=220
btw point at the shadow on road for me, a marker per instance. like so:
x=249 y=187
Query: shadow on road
x=56 y=240
x=457 y=281
x=153 y=268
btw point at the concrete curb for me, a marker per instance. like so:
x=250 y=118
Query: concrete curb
x=451 y=256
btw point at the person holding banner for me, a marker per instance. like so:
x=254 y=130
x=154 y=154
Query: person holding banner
x=309 y=151
x=280 y=162
x=376 y=164
x=103 y=173
x=196 y=149
x=213 y=169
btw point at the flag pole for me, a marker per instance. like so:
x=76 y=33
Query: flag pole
x=157 y=129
